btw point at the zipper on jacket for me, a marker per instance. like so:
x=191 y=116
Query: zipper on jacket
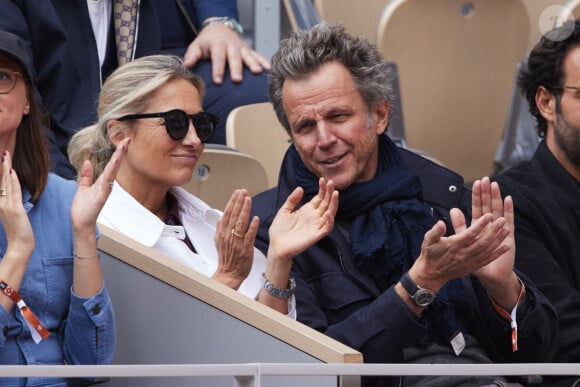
x=348 y=274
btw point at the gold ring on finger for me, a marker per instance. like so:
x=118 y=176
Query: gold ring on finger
x=234 y=233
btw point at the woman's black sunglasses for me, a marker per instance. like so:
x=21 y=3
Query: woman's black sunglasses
x=177 y=123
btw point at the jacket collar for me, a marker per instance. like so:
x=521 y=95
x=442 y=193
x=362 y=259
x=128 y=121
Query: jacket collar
x=446 y=187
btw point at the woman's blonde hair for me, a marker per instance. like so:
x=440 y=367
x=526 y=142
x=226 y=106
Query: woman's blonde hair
x=126 y=91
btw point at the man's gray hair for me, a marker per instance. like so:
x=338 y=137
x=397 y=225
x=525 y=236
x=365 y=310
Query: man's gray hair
x=304 y=52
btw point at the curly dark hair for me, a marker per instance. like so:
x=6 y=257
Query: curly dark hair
x=545 y=67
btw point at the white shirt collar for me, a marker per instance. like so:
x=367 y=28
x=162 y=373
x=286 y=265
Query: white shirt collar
x=124 y=213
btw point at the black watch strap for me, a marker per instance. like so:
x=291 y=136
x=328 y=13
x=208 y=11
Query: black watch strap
x=408 y=283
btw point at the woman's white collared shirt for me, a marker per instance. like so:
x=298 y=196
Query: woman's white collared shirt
x=126 y=215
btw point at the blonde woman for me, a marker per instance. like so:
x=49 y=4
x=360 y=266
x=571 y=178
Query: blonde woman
x=156 y=102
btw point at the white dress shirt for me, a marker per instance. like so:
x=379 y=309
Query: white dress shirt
x=100 y=14
x=126 y=215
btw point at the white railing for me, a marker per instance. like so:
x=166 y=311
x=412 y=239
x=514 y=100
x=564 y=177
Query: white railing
x=250 y=374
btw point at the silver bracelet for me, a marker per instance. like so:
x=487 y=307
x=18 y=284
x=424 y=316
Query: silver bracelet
x=279 y=292
x=225 y=20
x=81 y=257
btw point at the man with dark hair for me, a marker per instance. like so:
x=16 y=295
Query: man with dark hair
x=546 y=189
x=417 y=269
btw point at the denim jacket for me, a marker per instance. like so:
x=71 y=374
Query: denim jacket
x=82 y=329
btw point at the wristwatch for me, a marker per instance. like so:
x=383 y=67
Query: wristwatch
x=420 y=296
x=279 y=292
x=225 y=20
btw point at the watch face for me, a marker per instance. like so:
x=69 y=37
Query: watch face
x=423 y=297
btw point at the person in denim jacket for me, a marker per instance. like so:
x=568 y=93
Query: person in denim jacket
x=55 y=308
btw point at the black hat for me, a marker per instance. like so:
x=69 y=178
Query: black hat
x=13 y=47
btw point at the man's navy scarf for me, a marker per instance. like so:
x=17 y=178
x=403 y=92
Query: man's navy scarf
x=389 y=219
